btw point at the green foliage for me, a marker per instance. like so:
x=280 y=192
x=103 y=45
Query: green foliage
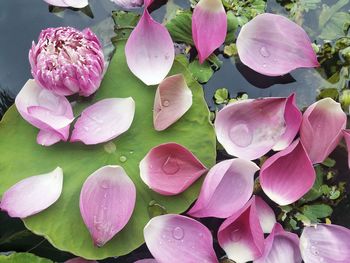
x=221 y=96
x=23 y=257
x=201 y=72
x=124 y=24
x=180 y=27
x=297 y=8
x=245 y=10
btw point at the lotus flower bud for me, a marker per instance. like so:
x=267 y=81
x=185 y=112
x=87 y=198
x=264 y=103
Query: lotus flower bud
x=67 y=61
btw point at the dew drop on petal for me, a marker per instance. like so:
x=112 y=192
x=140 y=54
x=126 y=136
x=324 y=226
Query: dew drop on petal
x=105 y=185
x=178 y=233
x=166 y=103
x=241 y=135
x=236 y=235
x=170 y=166
x=264 y=52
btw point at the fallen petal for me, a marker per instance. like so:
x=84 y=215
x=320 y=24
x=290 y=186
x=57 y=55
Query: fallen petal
x=273 y=45
x=128 y=4
x=107 y=201
x=60 y=3
x=47 y=138
x=104 y=120
x=173 y=99
x=288 y=175
x=175 y=238
x=66 y=3
x=148 y=260
x=209 y=27
x=170 y=168
x=226 y=189
x=325 y=243
x=266 y=215
x=33 y=194
x=241 y=235
x=321 y=128
x=149 y=50
x=346 y=134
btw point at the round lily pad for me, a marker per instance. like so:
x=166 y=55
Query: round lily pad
x=23 y=257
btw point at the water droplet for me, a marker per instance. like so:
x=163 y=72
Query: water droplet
x=241 y=135
x=166 y=103
x=170 y=166
x=236 y=235
x=105 y=184
x=123 y=159
x=314 y=250
x=131 y=152
x=264 y=52
x=110 y=147
x=264 y=65
x=178 y=233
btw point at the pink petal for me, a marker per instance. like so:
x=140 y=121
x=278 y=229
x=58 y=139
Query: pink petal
x=107 y=201
x=148 y=260
x=241 y=235
x=47 y=138
x=128 y=4
x=170 y=168
x=346 y=134
x=266 y=215
x=321 y=128
x=209 y=27
x=281 y=246
x=325 y=243
x=33 y=194
x=173 y=99
x=45 y=115
x=175 y=238
x=80 y=260
x=273 y=45
x=60 y=3
x=104 y=120
x=288 y=175
x=217 y=199
x=149 y=50
x=66 y=3
x=249 y=129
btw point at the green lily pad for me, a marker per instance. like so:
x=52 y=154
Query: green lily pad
x=23 y=257
x=61 y=223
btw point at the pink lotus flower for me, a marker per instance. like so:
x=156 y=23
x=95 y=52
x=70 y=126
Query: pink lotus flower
x=49 y=112
x=249 y=129
x=107 y=201
x=209 y=27
x=346 y=134
x=321 y=128
x=174 y=238
x=170 y=168
x=67 y=61
x=226 y=189
x=128 y=4
x=325 y=243
x=273 y=45
x=288 y=175
x=68 y=3
x=33 y=194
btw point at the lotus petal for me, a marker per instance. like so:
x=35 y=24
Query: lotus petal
x=273 y=45
x=104 y=120
x=226 y=189
x=346 y=134
x=173 y=99
x=325 y=243
x=266 y=215
x=148 y=260
x=33 y=194
x=80 y=260
x=209 y=27
x=281 y=246
x=170 y=168
x=149 y=50
x=249 y=129
x=128 y=4
x=175 y=238
x=47 y=138
x=241 y=235
x=45 y=110
x=321 y=128
x=107 y=201
x=66 y=3
x=288 y=175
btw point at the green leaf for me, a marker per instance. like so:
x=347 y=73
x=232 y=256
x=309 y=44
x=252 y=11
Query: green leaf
x=23 y=257
x=328 y=93
x=221 y=96
x=336 y=27
x=328 y=13
x=124 y=24
x=180 y=27
x=329 y=162
x=317 y=211
x=201 y=72
x=232 y=26
x=62 y=224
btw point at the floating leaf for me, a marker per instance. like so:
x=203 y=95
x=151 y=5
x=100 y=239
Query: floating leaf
x=221 y=96
x=201 y=72
x=316 y=211
x=180 y=27
x=23 y=257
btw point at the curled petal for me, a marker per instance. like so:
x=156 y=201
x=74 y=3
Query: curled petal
x=273 y=45
x=170 y=168
x=266 y=215
x=33 y=194
x=104 y=120
x=173 y=99
x=288 y=175
x=249 y=129
x=175 y=238
x=241 y=235
x=281 y=246
x=107 y=200
x=321 y=128
x=128 y=4
x=209 y=27
x=216 y=198
x=149 y=50
x=325 y=243
x=80 y=260
x=66 y=3
x=47 y=138
x=346 y=134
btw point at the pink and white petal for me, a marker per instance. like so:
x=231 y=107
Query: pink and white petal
x=149 y=50
x=241 y=235
x=173 y=99
x=170 y=168
x=266 y=215
x=80 y=260
x=107 y=201
x=325 y=243
x=249 y=129
x=286 y=176
x=346 y=134
x=209 y=27
x=104 y=120
x=175 y=238
x=128 y=4
x=60 y=3
x=216 y=198
x=76 y=3
x=33 y=194
x=45 y=115
x=273 y=45
x=148 y=260
x=48 y=138
x=321 y=128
